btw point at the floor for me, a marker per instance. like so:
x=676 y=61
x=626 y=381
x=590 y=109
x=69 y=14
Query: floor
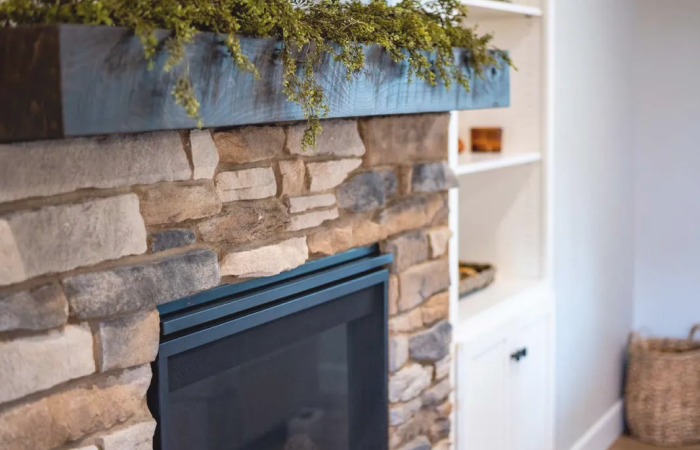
x=626 y=443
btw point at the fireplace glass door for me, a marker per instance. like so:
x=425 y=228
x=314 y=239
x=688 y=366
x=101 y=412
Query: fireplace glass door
x=307 y=372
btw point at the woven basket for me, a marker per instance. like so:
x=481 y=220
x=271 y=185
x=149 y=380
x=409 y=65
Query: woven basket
x=662 y=394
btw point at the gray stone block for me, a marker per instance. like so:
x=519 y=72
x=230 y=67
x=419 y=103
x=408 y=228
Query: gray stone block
x=165 y=240
x=127 y=341
x=409 y=382
x=391 y=183
x=141 y=286
x=37 y=309
x=431 y=345
x=419 y=443
x=432 y=177
x=363 y=192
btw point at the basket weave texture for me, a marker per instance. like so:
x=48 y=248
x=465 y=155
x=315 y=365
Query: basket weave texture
x=662 y=393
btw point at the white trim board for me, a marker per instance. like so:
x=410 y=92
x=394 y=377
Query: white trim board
x=605 y=431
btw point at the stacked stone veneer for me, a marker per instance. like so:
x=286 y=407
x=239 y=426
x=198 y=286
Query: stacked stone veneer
x=95 y=232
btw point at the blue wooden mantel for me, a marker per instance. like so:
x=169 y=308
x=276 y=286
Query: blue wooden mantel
x=79 y=80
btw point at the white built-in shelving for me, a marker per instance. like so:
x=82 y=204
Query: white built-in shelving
x=500 y=214
x=480 y=162
x=500 y=211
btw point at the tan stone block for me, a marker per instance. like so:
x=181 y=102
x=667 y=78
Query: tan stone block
x=401 y=140
x=405 y=179
x=339 y=137
x=34 y=363
x=409 y=382
x=443 y=445
x=329 y=174
x=393 y=302
x=36 y=309
x=436 y=308
x=70 y=414
x=409 y=249
x=331 y=240
x=43 y=168
x=419 y=425
x=444 y=410
x=292 y=176
x=412 y=213
x=205 y=156
x=406 y=322
x=439 y=239
x=246 y=222
x=365 y=232
x=11 y=264
x=301 y=204
x=172 y=203
x=443 y=367
x=420 y=282
x=133 y=437
x=127 y=341
x=61 y=238
x=81 y=447
x=247 y=184
x=249 y=144
x=311 y=219
x=266 y=261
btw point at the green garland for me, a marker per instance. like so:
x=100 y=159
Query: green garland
x=410 y=30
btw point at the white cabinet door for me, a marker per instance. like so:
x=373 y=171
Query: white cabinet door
x=482 y=385
x=529 y=390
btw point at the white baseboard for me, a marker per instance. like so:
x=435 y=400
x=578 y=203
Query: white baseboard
x=605 y=431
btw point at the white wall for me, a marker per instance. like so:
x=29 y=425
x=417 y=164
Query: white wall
x=593 y=201
x=667 y=172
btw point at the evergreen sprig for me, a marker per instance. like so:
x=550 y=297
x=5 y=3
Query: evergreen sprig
x=422 y=32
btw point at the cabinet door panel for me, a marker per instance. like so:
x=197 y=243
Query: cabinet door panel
x=482 y=409
x=528 y=387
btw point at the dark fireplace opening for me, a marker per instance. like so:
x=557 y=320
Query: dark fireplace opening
x=292 y=362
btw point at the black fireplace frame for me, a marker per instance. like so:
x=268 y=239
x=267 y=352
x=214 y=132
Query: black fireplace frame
x=224 y=311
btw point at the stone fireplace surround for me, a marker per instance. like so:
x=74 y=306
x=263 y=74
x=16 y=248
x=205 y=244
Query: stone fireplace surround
x=96 y=232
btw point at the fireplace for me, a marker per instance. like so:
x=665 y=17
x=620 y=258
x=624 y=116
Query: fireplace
x=239 y=263
x=297 y=361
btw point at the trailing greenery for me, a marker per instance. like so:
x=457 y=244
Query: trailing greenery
x=422 y=32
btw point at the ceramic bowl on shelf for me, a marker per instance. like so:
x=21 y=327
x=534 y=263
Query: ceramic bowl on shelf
x=473 y=277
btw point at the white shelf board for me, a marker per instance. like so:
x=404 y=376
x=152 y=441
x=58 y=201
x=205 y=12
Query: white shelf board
x=499 y=293
x=481 y=162
x=491 y=9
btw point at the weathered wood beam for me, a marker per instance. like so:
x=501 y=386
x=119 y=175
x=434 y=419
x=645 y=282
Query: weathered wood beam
x=78 y=80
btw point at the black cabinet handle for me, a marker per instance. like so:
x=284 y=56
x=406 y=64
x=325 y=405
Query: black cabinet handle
x=520 y=354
